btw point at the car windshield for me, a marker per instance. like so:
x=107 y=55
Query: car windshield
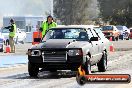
x=119 y=27
x=67 y=33
x=5 y=30
x=107 y=28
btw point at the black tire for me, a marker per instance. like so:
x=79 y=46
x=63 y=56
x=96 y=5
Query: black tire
x=117 y=38
x=33 y=70
x=113 y=38
x=81 y=80
x=7 y=42
x=22 y=42
x=87 y=66
x=2 y=49
x=102 y=64
x=128 y=38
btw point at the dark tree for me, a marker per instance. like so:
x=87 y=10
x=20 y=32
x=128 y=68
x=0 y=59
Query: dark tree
x=117 y=12
x=76 y=11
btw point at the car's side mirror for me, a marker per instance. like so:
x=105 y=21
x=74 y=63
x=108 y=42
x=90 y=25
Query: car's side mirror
x=93 y=39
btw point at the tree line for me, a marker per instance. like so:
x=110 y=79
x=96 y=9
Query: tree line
x=115 y=12
x=75 y=11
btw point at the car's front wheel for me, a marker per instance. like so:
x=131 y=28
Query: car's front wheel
x=87 y=65
x=32 y=69
x=102 y=64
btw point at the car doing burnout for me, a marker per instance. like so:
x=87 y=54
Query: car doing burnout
x=67 y=48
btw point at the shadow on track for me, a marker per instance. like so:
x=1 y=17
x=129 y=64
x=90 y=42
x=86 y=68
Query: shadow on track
x=45 y=75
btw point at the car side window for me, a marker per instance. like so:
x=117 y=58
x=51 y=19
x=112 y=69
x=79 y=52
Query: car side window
x=89 y=33
x=125 y=27
x=99 y=33
x=94 y=34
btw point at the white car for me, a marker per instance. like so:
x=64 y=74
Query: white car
x=19 y=37
x=68 y=47
x=1 y=43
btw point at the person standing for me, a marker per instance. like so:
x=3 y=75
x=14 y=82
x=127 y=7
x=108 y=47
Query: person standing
x=47 y=25
x=12 y=29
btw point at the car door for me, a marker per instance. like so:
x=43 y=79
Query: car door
x=94 y=48
x=102 y=41
x=97 y=47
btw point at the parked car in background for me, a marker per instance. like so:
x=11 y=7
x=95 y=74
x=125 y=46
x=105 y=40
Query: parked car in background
x=1 y=43
x=19 y=37
x=130 y=33
x=111 y=31
x=124 y=32
x=67 y=48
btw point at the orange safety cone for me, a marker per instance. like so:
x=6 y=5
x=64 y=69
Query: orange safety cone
x=8 y=49
x=37 y=36
x=111 y=48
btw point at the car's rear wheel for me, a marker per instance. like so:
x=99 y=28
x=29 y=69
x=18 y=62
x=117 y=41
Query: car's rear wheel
x=22 y=42
x=117 y=38
x=102 y=64
x=128 y=38
x=32 y=69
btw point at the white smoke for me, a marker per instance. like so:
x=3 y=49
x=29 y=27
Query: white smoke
x=24 y=7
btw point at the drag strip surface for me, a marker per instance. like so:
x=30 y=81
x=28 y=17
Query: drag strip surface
x=17 y=76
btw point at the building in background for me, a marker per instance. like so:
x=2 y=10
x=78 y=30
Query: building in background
x=25 y=8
